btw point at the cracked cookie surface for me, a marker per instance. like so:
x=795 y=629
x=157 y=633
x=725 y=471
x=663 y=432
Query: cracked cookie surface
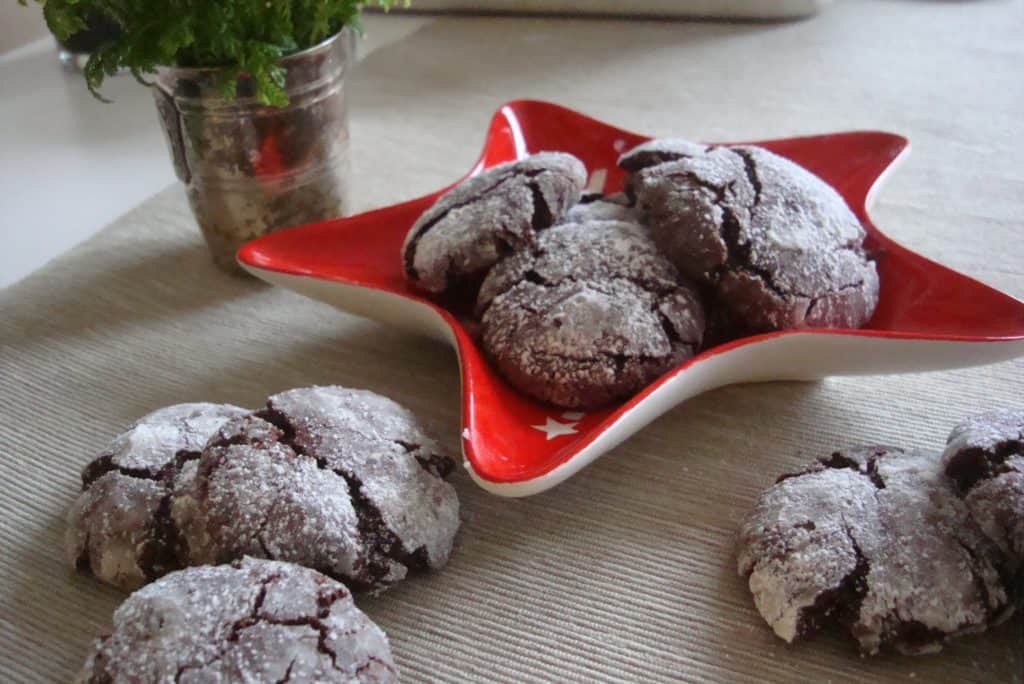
x=118 y=526
x=589 y=316
x=344 y=481
x=254 y=621
x=777 y=246
x=985 y=458
x=875 y=539
x=487 y=216
x=659 y=151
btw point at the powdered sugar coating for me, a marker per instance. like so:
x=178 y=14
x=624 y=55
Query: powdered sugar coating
x=874 y=538
x=589 y=316
x=616 y=207
x=341 y=480
x=487 y=216
x=153 y=440
x=253 y=620
x=985 y=457
x=779 y=246
x=659 y=151
x=116 y=527
x=987 y=431
x=257 y=496
x=599 y=250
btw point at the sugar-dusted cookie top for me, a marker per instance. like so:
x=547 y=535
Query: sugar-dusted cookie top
x=589 y=316
x=778 y=246
x=118 y=528
x=985 y=457
x=345 y=481
x=492 y=214
x=252 y=621
x=874 y=539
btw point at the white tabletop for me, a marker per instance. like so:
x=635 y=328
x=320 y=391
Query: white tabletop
x=72 y=164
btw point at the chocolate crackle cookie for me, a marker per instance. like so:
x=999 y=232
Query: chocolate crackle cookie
x=588 y=316
x=343 y=481
x=875 y=539
x=777 y=247
x=985 y=457
x=487 y=216
x=119 y=528
x=251 y=621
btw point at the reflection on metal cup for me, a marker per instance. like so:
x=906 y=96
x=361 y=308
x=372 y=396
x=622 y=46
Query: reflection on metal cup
x=251 y=168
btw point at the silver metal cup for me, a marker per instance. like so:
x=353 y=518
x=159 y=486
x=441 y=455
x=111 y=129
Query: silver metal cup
x=250 y=168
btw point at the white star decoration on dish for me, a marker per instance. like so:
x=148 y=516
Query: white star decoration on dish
x=553 y=428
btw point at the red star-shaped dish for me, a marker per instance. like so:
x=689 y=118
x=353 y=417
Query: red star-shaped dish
x=929 y=317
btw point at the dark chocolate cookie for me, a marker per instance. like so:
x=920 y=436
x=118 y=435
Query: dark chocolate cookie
x=486 y=217
x=874 y=538
x=251 y=621
x=985 y=457
x=118 y=528
x=343 y=481
x=777 y=246
x=589 y=316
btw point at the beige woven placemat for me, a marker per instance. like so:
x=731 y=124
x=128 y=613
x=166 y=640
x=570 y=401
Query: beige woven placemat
x=626 y=572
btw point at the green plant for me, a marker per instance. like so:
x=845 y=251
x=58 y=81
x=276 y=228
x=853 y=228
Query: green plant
x=241 y=36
